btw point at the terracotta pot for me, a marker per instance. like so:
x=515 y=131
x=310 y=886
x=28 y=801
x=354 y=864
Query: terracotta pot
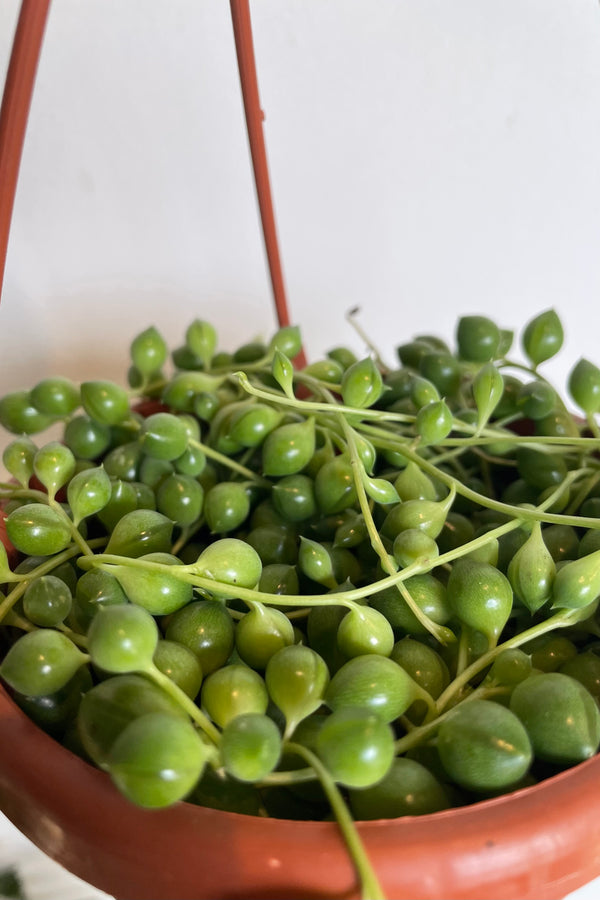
x=539 y=843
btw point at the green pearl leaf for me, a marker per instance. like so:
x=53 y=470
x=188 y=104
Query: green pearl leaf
x=18 y=459
x=148 y=351
x=201 y=338
x=140 y=531
x=286 y=340
x=531 y=571
x=53 y=464
x=88 y=492
x=488 y=387
x=577 y=583
x=543 y=337
x=41 y=662
x=380 y=489
x=480 y=596
x=283 y=372
x=38 y=530
x=584 y=386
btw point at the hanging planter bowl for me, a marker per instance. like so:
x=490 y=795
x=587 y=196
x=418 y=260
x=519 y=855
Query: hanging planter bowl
x=538 y=843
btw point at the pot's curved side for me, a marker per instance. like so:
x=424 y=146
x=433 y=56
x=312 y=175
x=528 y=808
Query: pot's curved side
x=537 y=844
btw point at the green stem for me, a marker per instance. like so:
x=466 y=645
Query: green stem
x=350 y=599
x=185 y=702
x=526 y=514
x=78 y=539
x=562 y=619
x=370 y=886
x=43 y=569
x=284 y=779
x=229 y=463
x=593 y=425
x=419 y=734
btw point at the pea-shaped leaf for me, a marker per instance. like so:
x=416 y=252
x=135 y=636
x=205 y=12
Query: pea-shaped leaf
x=261 y=633
x=140 y=531
x=201 y=338
x=183 y=389
x=577 y=583
x=123 y=500
x=157 y=760
x=105 y=402
x=376 y=683
x=483 y=746
x=180 y=664
x=38 y=530
x=250 y=425
x=122 y=638
x=424 y=665
x=478 y=338
x=164 y=436
x=428 y=595
x=287 y=340
x=55 y=397
x=108 y=707
x=423 y=392
x=356 y=746
x=543 y=337
x=413 y=484
x=365 y=630
x=19 y=416
x=47 y=601
x=180 y=498
x=18 y=459
x=426 y=515
x=289 y=448
x=362 y=384
x=296 y=678
x=488 y=386
x=230 y=562
x=233 y=690
x=408 y=789
x=206 y=628
x=560 y=715
x=480 y=596
x=584 y=386
x=380 y=490
x=294 y=497
x=335 y=489
x=156 y=591
x=433 y=422
x=250 y=746
x=148 y=351
x=412 y=545
x=531 y=571
x=283 y=372
x=315 y=562
x=53 y=464
x=41 y=662
x=510 y=667
x=366 y=452
x=536 y=399
x=226 y=506
x=88 y=492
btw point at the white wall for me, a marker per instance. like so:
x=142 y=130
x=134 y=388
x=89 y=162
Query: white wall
x=429 y=158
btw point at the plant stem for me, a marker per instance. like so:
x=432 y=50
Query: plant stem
x=185 y=702
x=370 y=886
